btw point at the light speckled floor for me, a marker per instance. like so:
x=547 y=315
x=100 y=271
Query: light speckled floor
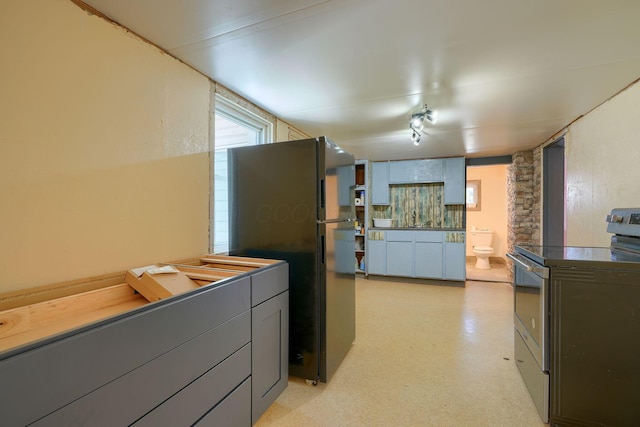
x=425 y=355
x=497 y=273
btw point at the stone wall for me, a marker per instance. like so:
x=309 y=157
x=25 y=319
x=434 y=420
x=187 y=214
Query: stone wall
x=524 y=187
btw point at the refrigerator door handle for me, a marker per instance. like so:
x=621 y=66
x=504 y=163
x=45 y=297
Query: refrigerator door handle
x=333 y=221
x=322 y=250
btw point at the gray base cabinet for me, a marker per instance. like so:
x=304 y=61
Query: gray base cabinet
x=233 y=411
x=428 y=260
x=454 y=261
x=417 y=254
x=270 y=359
x=212 y=356
x=377 y=257
x=400 y=258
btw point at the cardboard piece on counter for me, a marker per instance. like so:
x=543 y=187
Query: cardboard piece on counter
x=155 y=287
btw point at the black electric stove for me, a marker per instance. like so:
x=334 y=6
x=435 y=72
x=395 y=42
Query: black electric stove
x=577 y=327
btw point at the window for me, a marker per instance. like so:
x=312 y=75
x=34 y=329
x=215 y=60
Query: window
x=473 y=195
x=234 y=127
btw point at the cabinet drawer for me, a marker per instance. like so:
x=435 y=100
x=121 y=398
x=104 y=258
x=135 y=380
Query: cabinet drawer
x=127 y=398
x=429 y=236
x=399 y=236
x=269 y=283
x=188 y=406
x=76 y=364
x=233 y=411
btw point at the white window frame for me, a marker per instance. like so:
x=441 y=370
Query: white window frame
x=264 y=135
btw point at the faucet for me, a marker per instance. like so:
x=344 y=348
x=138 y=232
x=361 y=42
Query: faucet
x=413 y=219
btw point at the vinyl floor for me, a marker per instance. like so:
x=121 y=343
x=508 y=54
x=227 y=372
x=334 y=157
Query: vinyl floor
x=424 y=355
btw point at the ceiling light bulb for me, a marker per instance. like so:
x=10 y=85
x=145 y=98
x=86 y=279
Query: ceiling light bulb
x=415 y=137
x=416 y=142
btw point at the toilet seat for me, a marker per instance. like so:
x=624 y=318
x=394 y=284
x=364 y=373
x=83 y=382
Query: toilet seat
x=483 y=248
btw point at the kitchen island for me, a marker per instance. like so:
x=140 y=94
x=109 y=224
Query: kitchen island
x=96 y=352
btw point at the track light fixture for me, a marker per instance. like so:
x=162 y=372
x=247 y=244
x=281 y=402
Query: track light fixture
x=417 y=123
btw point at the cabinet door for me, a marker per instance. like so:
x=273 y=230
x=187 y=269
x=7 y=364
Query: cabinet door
x=346 y=183
x=429 y=170
x=416 y=171
x=270 y=352
x=380 y=183
x=376 y=257
x=428 y=260
x=402 y=171
x=454 y=261
x=454 y=181
x=400 y=259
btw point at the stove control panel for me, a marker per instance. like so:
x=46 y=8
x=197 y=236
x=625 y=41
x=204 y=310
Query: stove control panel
x=634 y=219
x=625 y=222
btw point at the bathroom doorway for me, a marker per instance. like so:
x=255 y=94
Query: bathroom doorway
x=488 y=212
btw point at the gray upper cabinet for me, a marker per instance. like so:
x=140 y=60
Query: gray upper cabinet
x=416 y=171
x=346 y=183
x=454 y=181
x=380 y=183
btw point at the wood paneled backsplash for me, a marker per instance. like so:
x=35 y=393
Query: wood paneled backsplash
x=426 y=200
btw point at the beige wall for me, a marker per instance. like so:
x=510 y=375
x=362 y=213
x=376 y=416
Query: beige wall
x=493 y=206
x=103 y=148
x=602 y=167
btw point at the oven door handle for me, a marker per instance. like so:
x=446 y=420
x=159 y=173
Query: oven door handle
x=534 y=268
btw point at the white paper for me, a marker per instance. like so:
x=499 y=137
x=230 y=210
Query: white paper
x=138 y=271
x=163 y=270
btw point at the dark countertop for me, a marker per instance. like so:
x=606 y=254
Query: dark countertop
x=415 y=229
x=584 y=257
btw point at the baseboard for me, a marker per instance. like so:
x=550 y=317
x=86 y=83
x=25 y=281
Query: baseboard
x=442 y=282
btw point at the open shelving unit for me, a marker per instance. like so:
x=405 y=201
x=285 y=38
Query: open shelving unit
x=360 y=200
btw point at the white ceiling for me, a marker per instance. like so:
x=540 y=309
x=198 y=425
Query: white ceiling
x=504 y=75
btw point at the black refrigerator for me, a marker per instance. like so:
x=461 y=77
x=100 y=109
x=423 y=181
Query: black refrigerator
x=294 y=201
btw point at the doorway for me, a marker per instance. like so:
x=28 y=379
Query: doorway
x=553 y=194
x=487 y=181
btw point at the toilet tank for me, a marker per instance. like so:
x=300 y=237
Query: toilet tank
x=481 y=236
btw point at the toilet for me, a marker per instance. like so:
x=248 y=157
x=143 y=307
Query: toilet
x=481 y=241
